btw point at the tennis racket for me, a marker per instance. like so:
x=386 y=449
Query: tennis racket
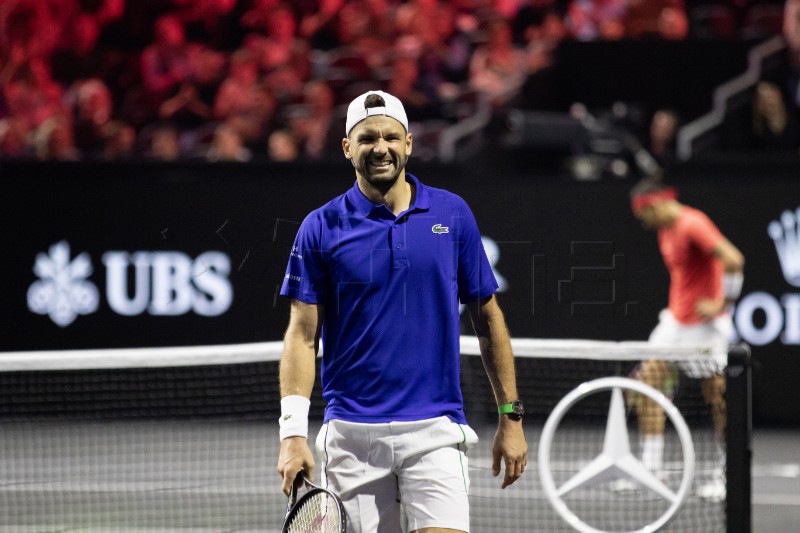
x=318 y=510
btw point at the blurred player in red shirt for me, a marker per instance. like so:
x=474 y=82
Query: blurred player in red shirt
x=706 y=275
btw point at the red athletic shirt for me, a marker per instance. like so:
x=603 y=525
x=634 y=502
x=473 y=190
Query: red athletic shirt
x=687 y=247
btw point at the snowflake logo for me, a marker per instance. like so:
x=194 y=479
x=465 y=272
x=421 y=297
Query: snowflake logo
x=62 y=291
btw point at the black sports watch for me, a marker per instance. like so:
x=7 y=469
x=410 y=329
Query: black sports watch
x=514 y=410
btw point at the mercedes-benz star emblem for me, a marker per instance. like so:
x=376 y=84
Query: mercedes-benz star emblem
x=615 y=461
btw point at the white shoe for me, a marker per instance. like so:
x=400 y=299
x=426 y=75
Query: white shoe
x=715 y=489
x=624 y=484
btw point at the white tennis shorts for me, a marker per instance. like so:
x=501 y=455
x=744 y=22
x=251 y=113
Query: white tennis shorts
x=717 y=332
x=398 y=476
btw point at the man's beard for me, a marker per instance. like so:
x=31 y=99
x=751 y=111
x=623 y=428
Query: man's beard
x=380 y=182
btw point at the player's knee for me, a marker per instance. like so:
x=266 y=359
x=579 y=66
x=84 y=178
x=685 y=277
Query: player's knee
x=654 y=372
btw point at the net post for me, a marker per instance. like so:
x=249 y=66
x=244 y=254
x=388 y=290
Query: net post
x=738 y=436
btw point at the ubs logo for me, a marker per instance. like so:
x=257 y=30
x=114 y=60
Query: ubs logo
x=163 y=283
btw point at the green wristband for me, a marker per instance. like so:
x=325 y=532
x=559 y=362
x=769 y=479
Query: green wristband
x=514 y=410
x=505 y=409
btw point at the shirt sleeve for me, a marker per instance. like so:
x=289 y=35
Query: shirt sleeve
x=702 y=231
x=306 y=277
x=475 y=276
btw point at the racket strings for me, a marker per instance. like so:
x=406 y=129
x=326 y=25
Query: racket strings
x=317 y=514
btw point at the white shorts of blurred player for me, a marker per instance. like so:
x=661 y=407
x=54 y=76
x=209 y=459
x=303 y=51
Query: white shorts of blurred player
x=398 y=476
x=717 y=333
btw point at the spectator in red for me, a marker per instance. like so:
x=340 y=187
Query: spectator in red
x=318 y=24
x=259 y=11
x=31 y=94
x=498 y=67
x=211 y=22
x=236 y=92
x=33 y=25
x=443 y=53
x=78 y=56
x=80 y=53
x=285 y=84
x=312 y=123
x=421 y=18
x=242 y=100
x=405 y=83
x=279 y=45
x=282 y=57
x=109 y=11
x=368 y=28
x=193 y=104
x=165 y=64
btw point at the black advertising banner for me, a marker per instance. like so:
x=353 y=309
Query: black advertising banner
x=119 y=256
x=161 y=255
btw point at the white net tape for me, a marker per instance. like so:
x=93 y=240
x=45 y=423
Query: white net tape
x=270 y=351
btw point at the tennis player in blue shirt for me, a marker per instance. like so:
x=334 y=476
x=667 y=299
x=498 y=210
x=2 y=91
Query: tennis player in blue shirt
x=377 y=275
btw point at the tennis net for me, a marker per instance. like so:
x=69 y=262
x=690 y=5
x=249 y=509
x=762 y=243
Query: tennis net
x=185 y=438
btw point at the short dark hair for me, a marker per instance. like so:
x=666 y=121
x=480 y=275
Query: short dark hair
x=647 y=186
x=374 y=100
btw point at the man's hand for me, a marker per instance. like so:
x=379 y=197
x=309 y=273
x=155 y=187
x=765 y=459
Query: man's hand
x=510 y=446
x=709 y=309
x=295 y=457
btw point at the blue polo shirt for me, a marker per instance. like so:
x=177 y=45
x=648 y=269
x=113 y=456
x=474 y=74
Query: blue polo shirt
x=391 y=287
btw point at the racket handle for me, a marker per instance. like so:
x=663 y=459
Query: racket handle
x=296 y=484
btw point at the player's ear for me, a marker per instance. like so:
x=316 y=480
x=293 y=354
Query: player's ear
x=346 y=148
x=409 y=143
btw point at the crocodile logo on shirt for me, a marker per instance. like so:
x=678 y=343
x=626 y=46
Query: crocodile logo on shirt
x=439 y=229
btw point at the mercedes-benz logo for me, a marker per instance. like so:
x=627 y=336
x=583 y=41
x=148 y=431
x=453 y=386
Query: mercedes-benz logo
x=615 y=461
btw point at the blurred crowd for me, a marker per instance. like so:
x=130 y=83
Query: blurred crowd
x=236 y=80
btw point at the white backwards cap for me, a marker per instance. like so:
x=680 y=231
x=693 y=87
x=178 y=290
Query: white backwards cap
x=356 y=112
